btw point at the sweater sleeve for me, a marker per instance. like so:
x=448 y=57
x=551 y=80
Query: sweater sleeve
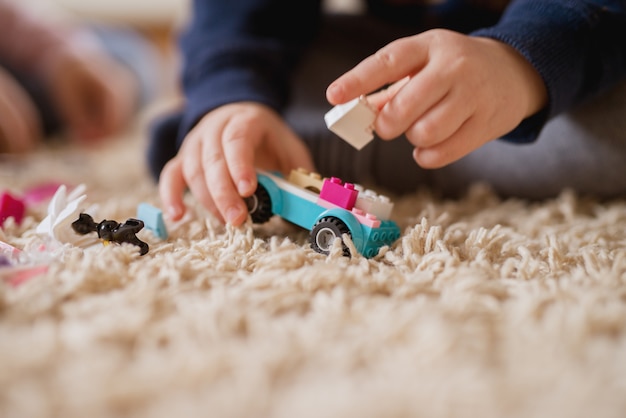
x=577 y=47
x=242 y=50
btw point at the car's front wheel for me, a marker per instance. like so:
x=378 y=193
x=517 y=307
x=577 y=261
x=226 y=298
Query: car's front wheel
x=324 y=233
x=259 y=205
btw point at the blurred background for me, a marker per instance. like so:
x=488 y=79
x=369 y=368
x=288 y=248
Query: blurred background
x=159 y=20
x=157 y=17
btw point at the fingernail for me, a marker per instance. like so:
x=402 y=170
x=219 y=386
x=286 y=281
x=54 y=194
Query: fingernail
x=173 y=212
x=232 y=214
x=244 y=187
x=333 y=91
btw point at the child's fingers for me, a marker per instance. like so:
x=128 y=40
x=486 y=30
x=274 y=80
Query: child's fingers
x=380 y=98
x=194 y=168
x=172 y=186
x=391 y=63
x=217 y=179
x=422 y=92
x=441 y=121
x=238 y=141
x=465 y=140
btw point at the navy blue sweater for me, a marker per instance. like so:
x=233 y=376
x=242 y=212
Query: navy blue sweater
x=245 y=50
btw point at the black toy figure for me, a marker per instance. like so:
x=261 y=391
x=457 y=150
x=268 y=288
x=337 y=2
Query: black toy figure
x=112 y=230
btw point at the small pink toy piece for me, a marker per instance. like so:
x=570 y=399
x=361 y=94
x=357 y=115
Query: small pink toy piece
x=41 y=193
x=341 y=194
x=10 y=252
x=12 y=271
x=366 y=218
x=23 y=274
x=11 y=206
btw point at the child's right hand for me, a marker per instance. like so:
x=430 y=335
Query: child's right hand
x=450 y=93
x=218 y=159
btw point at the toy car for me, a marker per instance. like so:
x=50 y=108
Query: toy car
x=328 y=207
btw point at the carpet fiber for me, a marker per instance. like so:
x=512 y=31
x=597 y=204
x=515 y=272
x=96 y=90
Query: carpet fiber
x=483 y=308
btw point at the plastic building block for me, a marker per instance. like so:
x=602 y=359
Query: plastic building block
x=326 y=220
x=41 y=193
x=112 y=231
x=9 y=252
x=19 y=275
x=341 y=194
x=374 y=203
x=307 y=180
x=63 y=209
x=352 y=121
x=17 y=266
x=11 y=207
x=152 y=218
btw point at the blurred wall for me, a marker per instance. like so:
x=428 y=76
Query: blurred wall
x=143 y=13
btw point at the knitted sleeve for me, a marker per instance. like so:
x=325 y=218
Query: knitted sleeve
x=578 y=48
x=242 y=50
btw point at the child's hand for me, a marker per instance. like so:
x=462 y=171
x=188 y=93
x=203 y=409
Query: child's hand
x=452 y=93
x=218 y=160
x=94 y=93
x=20 y=126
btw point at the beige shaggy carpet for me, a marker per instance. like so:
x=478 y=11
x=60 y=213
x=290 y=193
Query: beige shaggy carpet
x=484 y=308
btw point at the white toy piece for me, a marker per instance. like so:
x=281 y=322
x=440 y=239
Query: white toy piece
x=371 y=202
x=352 y=121
x=64 y=209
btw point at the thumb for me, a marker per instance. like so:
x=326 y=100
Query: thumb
x=379 y=99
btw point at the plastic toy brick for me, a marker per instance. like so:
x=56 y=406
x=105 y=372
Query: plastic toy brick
x=112 y=231
x=152 y=218
x=307 y=180
x=11 y=206
x=63 y=208
x=365 y=218
x=10 y=252
x=341 y=194
x=325 y=220
x=374 y=203
x=352 y=121
x=41 y=193
x=15 y=268
x=19 y=275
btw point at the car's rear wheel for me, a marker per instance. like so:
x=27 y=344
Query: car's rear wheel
x=259 y=205
x=324 y=233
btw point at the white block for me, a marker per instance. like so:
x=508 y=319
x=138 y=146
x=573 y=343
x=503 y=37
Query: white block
x=352 y=122
x=374 y=203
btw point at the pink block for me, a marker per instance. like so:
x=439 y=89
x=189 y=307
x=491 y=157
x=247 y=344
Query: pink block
x=341 y=194
x=11 y=207
x=41 y=193
x=366 y=218
x=9 y=251
x=21 y=275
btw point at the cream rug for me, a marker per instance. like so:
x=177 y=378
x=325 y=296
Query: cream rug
x=483 y=308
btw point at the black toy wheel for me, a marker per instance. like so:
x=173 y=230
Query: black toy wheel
x=259 y=205
x=324 y=233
